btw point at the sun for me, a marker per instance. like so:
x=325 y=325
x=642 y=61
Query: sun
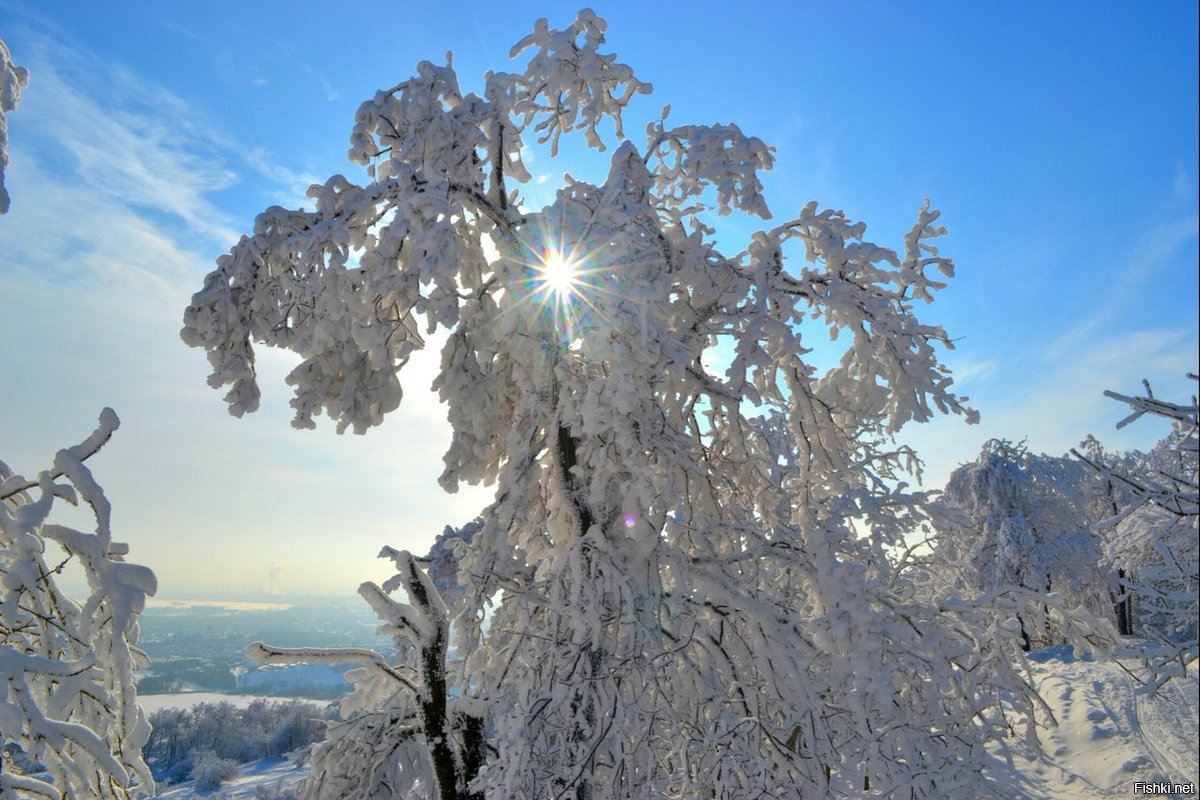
x=559 y=275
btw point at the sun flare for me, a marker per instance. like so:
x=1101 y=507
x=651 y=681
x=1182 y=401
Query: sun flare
x=559 y=274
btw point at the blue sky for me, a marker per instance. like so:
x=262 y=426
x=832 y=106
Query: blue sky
x=1059 y=141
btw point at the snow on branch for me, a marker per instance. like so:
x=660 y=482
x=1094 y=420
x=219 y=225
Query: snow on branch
x=69 y=701
x=12 y=80
x=691 y=158
x=568 y=82
x=72 y=455
x=1149 y=404
x=269 y=655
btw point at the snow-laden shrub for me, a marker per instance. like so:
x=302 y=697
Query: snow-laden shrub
x=210 y=771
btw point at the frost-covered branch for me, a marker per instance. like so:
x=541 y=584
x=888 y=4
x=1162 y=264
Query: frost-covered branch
x=69 y=701
x=12 y=80
x=443 y=738
x=79 y=453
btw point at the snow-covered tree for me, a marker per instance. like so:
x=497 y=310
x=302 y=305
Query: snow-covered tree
x=1015 y=518
x=1156 y=531
x=442 y=561
x=1104 y=496
x=12 y=80
x=691 y=526
x=67 y=696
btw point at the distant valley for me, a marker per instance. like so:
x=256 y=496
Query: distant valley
x=198 y=645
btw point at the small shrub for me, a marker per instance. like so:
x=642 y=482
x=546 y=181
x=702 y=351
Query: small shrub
x=210 y=771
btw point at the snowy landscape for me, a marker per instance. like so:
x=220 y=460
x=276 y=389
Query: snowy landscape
x=1107 y=739
x=669 y=472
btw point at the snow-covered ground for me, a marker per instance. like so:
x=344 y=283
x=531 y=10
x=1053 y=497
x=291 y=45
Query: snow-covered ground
x=229 y=605
x=256 y=780
x=1107 y=739
x=157 y=702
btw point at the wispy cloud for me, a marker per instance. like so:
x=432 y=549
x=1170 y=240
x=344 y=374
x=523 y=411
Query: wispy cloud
x=1052 y=394
x=293 y=185
x=1055 y=404
x=331 y=94
x=115 y=223
x=1185 y=185
x=289 y=52
x=968 y=371
x=175 y=27
x=141 y=148
x=1150 y=253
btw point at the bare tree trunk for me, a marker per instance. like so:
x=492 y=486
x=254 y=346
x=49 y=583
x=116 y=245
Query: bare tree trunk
x=1124 y=604
x=432 y=703
x=472 y=753
x=568 y=449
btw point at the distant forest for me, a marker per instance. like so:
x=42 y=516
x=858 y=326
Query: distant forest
x=208 y=741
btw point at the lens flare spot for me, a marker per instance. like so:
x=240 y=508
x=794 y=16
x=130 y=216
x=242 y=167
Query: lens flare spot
x=630 y=520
